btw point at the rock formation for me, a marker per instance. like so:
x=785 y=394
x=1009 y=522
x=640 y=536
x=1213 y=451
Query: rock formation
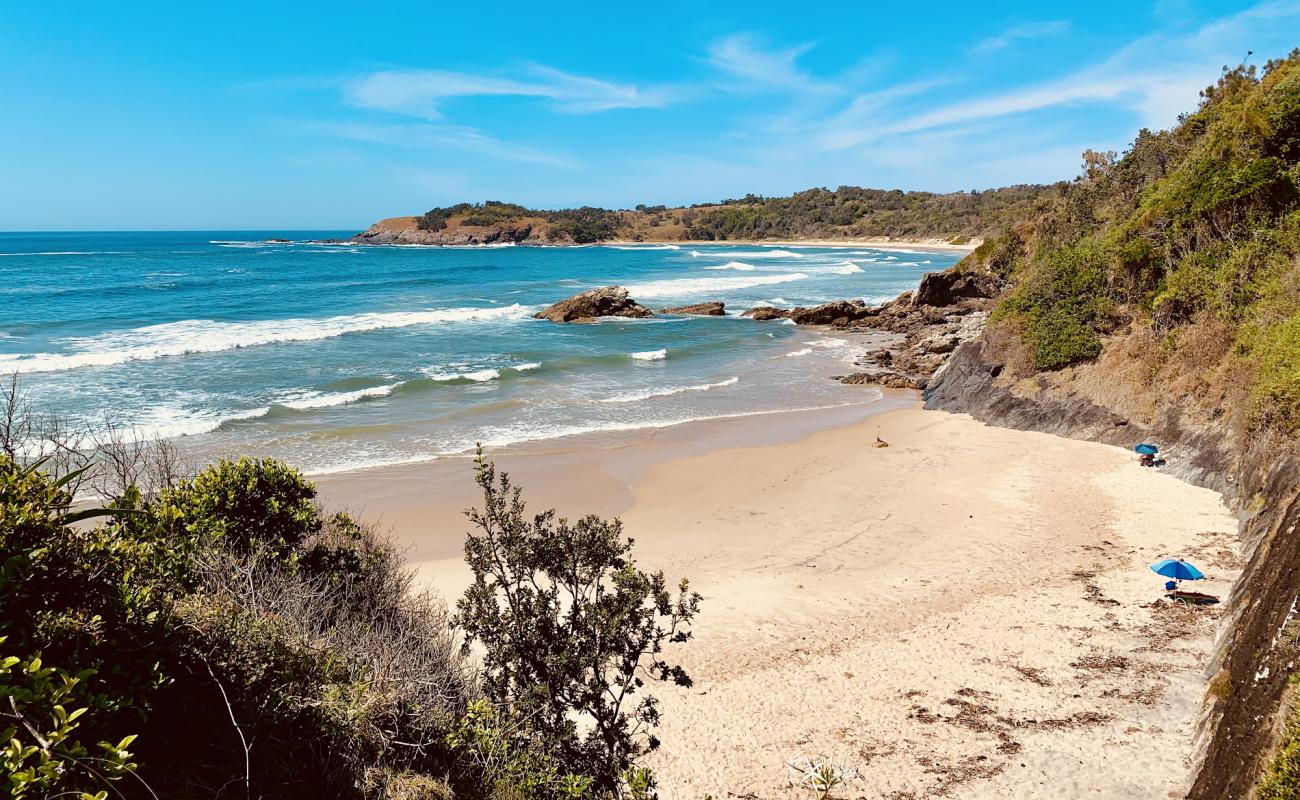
x=713 y=308
x=608 y=301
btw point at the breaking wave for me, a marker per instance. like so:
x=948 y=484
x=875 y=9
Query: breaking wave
x=208 y=336
x=701 y=286
x=633 y=397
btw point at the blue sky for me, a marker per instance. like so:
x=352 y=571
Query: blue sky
x=258 y=115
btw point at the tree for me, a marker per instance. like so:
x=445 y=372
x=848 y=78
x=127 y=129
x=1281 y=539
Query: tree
x=570 y=629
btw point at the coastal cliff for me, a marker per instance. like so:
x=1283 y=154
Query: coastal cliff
x=1156 y=299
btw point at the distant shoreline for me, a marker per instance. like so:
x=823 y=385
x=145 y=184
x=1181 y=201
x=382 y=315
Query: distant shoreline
x=908 y=245
x=922 y=245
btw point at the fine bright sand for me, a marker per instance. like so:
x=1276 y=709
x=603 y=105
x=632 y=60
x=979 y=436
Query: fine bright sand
x=967 y=613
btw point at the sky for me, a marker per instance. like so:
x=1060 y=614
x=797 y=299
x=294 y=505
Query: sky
x=241 y=115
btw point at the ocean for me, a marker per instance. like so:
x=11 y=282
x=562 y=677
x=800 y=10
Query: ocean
x=338 y=357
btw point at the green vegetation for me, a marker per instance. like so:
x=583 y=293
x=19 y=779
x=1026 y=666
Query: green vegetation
x=846 y=212
x=1193 y=226
x=570 y=626
x=581 y=225
x=1281 y=781
x=853 y=212
x=238 y=638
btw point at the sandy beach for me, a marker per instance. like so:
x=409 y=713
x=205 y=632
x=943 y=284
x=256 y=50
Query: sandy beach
x=966 y=613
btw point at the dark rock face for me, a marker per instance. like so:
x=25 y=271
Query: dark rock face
x=946 y=288
x=711 y=309
x=840 y=312
x=608 y=301
x=968 y=384
x=764 y=313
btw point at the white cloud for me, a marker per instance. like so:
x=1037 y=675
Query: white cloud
x=417 y=93
x=1156 y=76
x=740 y=56
x=1025 y=31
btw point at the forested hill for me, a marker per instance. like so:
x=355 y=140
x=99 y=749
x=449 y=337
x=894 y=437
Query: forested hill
x=1158 y=295
x=844 y=213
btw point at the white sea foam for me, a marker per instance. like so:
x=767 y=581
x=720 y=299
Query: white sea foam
x=633 y=397
x=831 y=343
x=650 y=355
x=208 y=336
x=518 y=434
x=797 y=353
x=644 y=247
x=682 y=287
x=734 y=254
x=355 y=464
x=310 y=400
x=845 y=268
x=739 y=266
x=788 y=322
x=478 y=375
x=526 y=367
x=169 y=422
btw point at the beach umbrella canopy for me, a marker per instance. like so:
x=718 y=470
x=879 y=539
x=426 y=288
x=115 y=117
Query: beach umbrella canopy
x=1147 y=449
x=1177 y=569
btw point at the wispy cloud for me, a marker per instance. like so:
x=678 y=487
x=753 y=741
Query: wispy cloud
x=741 y=56
x=1156 y=76
x=418 y=93
x=430 y=136
x=1026 y=31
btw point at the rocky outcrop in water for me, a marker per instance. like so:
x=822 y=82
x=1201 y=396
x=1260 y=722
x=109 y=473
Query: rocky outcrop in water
x=608 y=301
x=713 y=308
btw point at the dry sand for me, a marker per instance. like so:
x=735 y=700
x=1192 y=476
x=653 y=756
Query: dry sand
x=967 y=613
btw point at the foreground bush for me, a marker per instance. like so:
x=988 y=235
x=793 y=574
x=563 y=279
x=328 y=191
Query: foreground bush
x=570 y=630
x=259 y=646
x=247 y=638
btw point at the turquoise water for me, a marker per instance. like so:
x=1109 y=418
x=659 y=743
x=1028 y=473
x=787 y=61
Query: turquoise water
x=340 y=357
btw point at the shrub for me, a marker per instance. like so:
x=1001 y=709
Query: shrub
x=244 y=506
x=1060 y=306
x=568 y=624
x=44 y=755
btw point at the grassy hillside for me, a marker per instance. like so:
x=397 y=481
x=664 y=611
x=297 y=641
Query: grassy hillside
x=844 y=213
x=1186 y=243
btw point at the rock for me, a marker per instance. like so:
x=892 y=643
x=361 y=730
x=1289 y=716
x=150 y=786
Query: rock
x=608 y=301
x=888 y=378
x=763 y=313
x=939 y=343
x=946 y=288
x=711 y=309
x=839 y=312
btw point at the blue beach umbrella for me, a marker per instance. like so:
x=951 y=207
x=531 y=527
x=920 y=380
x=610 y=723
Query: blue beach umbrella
x=1147 y=449
x=1177 y=569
